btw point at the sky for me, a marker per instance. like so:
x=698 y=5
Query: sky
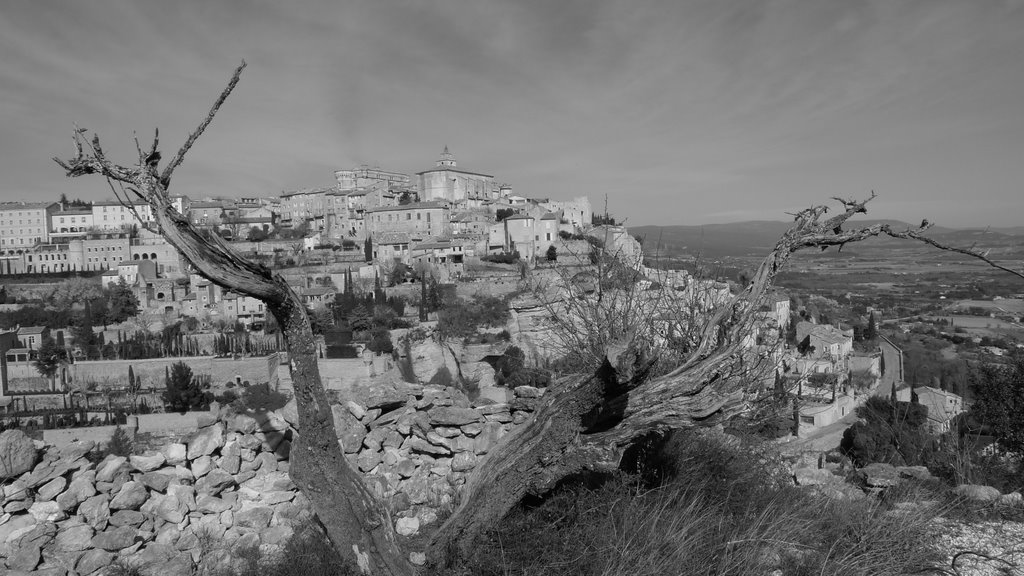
x=677 y=111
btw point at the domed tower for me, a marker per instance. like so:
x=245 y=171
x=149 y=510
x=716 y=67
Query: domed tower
x=447 y=159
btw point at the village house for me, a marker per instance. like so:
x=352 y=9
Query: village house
x=23 y=225
x=942 y=406
x=112 y=215
x=423 y=220
x=74 y=221
x=247 y=310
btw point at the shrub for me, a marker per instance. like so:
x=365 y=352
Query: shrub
x=259 y=398
x=722 y=510
x=120 y=443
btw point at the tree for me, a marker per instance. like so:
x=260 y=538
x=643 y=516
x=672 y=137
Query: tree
x=49 y=357
x=122 y=302
x=998 y=391
x=503 y=213
x=183 y=391
x=552 y=253
x=368 y=249
x=120 y=443
x=585 y=422
x=890 y=432
x=871 y=332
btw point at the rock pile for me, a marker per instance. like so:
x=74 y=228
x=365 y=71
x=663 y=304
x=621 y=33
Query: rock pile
x=190 y=505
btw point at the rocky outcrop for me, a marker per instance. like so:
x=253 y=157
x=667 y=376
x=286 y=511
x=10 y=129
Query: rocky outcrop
x=189 y=505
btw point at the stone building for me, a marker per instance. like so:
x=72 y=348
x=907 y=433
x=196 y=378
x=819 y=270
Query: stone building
x=421 y=220
x=23 y=225
x=447 y=182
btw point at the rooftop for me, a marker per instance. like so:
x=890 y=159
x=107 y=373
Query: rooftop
x=26 y=205
x=31 y=330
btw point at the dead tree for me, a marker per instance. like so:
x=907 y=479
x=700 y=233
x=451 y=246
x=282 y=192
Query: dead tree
x=584 y=422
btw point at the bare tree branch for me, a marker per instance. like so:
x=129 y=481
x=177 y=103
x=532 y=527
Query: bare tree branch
x=165 y=178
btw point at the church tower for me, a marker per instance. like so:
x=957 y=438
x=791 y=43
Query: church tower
x=447 y=159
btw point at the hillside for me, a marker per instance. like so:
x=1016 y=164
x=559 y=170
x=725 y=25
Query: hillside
x=757 y=237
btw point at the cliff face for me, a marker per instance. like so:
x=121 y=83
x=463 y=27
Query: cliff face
x=191 y=504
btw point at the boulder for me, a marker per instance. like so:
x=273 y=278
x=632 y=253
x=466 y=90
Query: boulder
x=452 y=416
x=231 y=457
x=813 y=476
x=464 y=461
x=1011 y=499
x=132 y=518
x=147 y=462
x=96 y=511
x=18 y=453
x=879 y=475
x=977 y=492
x=74 y=538
x=25 y=558
x=15 y=524
x=114 y=539
x=51 y=489
x=131 y=496
x=156 y=480
x=175 y=453
x=93 y=560
x=528 y=392
x=78 y=491
x=257 y=517
x=214 y=483
x=915 y=472
x=407 y=526
x=210 y=504
x=47 y=512
x=108 y=468
x=201 y=465
x=206 y=441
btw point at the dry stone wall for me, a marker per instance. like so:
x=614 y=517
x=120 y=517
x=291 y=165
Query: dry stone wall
x=192 y=505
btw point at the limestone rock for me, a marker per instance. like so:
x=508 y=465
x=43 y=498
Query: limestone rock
x=78 y=491
x=916 y=472
x=93 y=560
x=51 y=489
x=17 y=453
x=96 y=511
x=47 y=512
x=214 y=483
x=131 y=496
x=25 y=558
x=879 y=475
x=977 y=492
x=210 y=504
x=464 y=461
x=452 y=416
x=114 y=540
x=206 y=441
x=156 y=480
x=231 y=457
x=175 y=453
x=257 y=517
x=108 y=468
x=74 y=538
x=407 y=526
x=813 y=476
x=201 y=465
x=132 y=518
x=147 y=462
x=417 y=558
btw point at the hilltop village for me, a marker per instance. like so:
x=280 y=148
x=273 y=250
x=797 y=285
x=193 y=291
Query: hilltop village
x=99 y=307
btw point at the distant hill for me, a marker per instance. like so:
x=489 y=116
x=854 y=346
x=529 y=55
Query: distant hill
x=757 y=237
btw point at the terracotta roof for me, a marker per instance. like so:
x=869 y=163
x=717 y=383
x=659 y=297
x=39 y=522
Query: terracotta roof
x=32 y=330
